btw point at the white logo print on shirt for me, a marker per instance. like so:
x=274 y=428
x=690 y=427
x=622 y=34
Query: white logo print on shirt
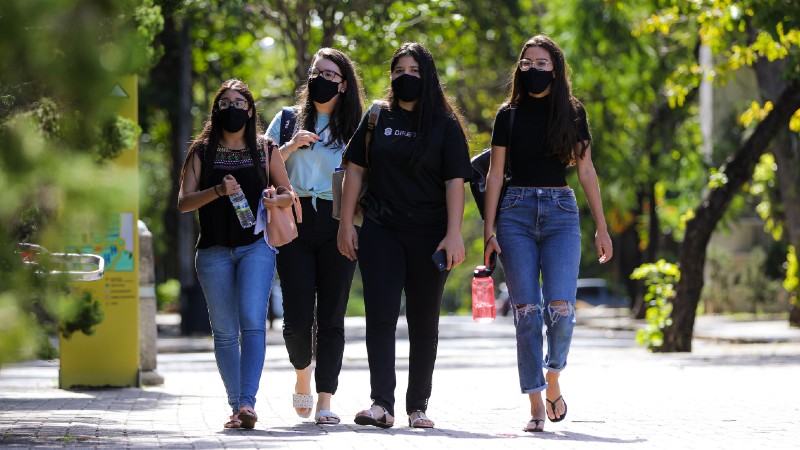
x=387 y=131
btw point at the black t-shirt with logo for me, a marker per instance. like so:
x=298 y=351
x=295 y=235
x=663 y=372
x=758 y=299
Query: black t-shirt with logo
x=404 y=196
x=532 y=163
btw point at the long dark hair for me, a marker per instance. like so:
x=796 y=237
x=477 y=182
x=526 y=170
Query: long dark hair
x=432 y=100
x=348 y=110
x=562 y=135
x=208 y=139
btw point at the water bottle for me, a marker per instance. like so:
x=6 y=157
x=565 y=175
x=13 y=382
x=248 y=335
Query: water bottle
x=483 y=307
x=242 y=208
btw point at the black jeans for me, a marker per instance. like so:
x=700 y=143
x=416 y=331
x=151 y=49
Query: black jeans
x=390 y=263
x=313 y=272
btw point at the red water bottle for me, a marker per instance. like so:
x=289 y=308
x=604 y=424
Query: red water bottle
x=483 y=307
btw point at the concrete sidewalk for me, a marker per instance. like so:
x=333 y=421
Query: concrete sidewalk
x=723 y=395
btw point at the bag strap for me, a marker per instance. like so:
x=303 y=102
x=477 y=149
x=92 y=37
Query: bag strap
x=374 y=113
x=298 y=208
x=288 y=123
x=512 y=110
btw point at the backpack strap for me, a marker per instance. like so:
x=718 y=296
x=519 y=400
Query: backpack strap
x=512 y=110
x=288 y=123
x=374 y=113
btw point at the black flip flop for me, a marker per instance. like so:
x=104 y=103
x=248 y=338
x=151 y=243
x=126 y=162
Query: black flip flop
x=553 y=407
x=535 y=428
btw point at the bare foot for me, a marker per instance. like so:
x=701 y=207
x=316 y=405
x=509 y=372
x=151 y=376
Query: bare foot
x=538 y=413
x=375 y=416
x=556 y=406
x=324 y=404
x=303 y=386
x=418 y=419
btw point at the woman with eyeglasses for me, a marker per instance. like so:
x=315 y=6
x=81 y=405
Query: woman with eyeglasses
x=413 y=208
x=313 y=273
x=538 y=233
x=235 y=266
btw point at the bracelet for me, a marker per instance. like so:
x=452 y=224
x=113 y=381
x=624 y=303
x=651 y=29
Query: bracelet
x=217 y=192
x=285 y=149
x=489 y=239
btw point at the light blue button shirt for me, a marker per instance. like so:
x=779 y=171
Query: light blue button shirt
x=310 y=168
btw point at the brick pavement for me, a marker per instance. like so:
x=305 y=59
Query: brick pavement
x=723 y=395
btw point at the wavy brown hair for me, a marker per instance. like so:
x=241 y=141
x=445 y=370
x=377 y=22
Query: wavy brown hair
x=564 y=107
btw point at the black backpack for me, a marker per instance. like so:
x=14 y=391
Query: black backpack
x=480 y=169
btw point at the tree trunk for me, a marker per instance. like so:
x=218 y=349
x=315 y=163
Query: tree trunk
x=787 y=159
x=738 y=169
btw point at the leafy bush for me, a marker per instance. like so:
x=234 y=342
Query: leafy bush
x=660 y=279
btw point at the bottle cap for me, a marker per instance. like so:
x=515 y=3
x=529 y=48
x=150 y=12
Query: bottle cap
x=482 y=272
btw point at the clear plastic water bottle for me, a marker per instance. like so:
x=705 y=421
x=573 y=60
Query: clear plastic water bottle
x=483 y=307
x=242 y=208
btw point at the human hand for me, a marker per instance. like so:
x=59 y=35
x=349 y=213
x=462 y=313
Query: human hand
x=268 y=198
x=229 y=185
x=302 y=139
x=453 y=245
x=492 y=246
x=605 y=249
x=347 y=241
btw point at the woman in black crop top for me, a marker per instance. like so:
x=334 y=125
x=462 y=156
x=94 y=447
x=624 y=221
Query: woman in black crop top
x=414 y=205
x=538 y=233
x=235 y=266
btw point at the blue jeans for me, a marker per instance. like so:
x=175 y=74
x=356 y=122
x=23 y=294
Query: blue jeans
x=236 y=283
x=539 y=234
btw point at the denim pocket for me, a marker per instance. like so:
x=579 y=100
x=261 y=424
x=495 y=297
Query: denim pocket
x=568 y=204
x=511 y=198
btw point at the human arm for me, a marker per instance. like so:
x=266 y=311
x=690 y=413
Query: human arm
x=588 y=179
x=191 y=198
x=277 y=177
x=494 y=184
x=347 y=238
x=453 y=242
x=300 y=139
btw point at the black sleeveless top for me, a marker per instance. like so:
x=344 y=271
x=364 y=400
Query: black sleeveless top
x=219 y=224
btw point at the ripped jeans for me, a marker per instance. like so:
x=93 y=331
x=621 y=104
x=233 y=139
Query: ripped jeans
x=539 y=235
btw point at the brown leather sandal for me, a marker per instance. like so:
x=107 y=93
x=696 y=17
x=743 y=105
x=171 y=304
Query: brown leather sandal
x=234 y=422
x=248 y=417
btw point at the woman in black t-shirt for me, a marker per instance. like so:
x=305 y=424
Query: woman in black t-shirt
x=538 y=233
x=235 y=266
x=417 y=163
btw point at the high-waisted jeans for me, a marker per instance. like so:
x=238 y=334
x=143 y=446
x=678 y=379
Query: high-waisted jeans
x=539 y=235
x=236 y=283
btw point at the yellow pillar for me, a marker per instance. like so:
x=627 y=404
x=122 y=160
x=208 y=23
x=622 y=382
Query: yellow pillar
x=110 y=356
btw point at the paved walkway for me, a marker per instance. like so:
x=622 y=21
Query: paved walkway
x=723 y=395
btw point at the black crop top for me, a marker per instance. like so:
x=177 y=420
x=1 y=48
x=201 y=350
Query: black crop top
x=532 y=164
x=218 y=222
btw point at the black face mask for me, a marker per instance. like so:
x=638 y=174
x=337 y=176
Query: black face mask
x=536 y=81
x=233 y=119
x=407 y=87
x=322 y=90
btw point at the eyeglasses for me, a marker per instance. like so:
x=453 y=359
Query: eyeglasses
x=238 y=104
x=539 y=64
x=329 y=75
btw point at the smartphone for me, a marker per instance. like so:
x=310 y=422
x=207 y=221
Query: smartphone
x=440 y=260
x=492 y=260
